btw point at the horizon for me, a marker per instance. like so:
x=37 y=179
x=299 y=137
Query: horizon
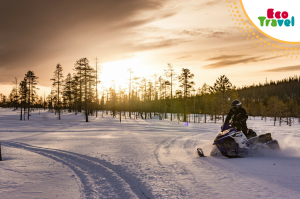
x=110 y=84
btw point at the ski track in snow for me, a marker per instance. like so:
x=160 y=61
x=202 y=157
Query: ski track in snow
x=93 y=173
x=179 y=170
x=171 y=142
x=156 y=151
x=165 y=144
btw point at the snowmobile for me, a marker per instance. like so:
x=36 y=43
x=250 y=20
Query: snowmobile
x=232 y=143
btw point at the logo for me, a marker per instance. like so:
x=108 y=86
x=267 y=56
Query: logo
x=281 y=18
x=268 y=25
x=276 y=19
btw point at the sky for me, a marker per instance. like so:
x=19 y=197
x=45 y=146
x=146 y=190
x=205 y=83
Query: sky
x=144 y=35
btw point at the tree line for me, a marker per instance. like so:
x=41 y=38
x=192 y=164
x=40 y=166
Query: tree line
x=170 y=96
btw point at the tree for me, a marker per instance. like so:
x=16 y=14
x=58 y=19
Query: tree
x=31 y=80
x=161 y=87
x=121 y=102
x=113 y=98
x=23 y=92
x=79 y=81
x=143 y=88
x=75 y=90
x=186 y=84
x=97 y=102
x=14 y=93
x=136 y=85
x=224 y=90
x=165 y=84
x=87 y=77
x=13 y=98
x=170 y=73
x=205 y=95
x=129 y=92
x=67 y=92
x=275 y=108
x=150 y=91
x=58 y=81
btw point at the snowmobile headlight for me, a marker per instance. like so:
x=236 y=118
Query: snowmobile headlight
x=224 y=132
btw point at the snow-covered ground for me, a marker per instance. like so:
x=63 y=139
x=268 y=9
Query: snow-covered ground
x=69 y=158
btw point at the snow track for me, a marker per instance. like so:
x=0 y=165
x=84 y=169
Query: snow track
x=156 y=151
x=98 y=178
x=182 y=176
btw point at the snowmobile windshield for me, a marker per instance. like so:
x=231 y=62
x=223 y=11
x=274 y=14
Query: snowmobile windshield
x=225 y=127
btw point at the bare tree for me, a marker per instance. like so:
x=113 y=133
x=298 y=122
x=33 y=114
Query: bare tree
x=97 y=101
x=129 y=92
x=170 y=73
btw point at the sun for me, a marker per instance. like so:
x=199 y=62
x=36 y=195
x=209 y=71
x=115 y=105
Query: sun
x=117 y=74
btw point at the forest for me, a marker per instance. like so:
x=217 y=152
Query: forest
x=79 y=93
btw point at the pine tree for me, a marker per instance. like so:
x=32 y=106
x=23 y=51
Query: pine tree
x=14 y=93
x=58 y=81
x=186 y=84
x=274 y=107
x=79 y=80
x=205 y=95
x=23 y=92
x=225 y=91
x=67 y=92
x=31 y=81
x=87 y=78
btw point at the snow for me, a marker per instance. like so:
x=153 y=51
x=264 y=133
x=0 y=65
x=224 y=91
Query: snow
x=49 y=158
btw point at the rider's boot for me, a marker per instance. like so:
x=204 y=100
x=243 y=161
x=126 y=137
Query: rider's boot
x=250 y=134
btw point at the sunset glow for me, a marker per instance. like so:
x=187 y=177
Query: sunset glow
x=117 y=73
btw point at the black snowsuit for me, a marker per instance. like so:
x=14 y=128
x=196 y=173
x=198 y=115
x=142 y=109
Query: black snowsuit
x=239 y=118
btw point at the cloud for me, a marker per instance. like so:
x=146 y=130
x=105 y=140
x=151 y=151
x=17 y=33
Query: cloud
x=229 y=60
x=284 y=69
x=206 y=32
x=184 y=57
x=207 y=4
x=210 y=3
x=162 y=43
x=37 y=34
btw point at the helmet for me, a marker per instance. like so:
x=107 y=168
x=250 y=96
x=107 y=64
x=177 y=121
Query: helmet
x=236 y=104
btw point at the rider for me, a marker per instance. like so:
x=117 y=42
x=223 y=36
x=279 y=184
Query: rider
x=239 y=117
